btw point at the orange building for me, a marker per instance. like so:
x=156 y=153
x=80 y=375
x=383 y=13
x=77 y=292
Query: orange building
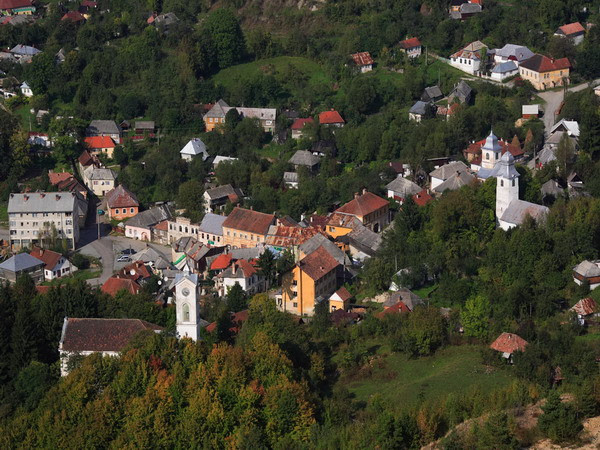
x=311 y=281
x=370 y=209
x=121 y=204
x=245 y=228
x=339 y=224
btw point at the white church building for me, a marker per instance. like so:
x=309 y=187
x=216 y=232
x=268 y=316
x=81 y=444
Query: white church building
x=187 y=293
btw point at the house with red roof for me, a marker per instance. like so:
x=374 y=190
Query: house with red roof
x=82 y=337
x=331 y=118
x=16 y=7
x=422 y=198
x=340 y=299
x=509 y=343
x=100 y=144
x=244 y=273
x=298 y=126
x=586 y=308
x=412 y=47
x=573 y=31
x=56 y=265
x=370 y=209
x=73 y=16
x=121 y=203
x=363 y=61
x=237 y=320
x=545 y=73
x=245 y=228
x=115 y=284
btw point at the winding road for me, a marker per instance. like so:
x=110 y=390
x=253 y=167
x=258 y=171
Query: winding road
x=553 y=100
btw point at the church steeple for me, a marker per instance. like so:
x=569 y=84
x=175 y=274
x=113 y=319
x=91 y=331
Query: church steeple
x=187 y=307
x=490 y=151
x=507 y=183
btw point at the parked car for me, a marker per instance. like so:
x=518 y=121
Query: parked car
x=128 y=251
x=123 y=258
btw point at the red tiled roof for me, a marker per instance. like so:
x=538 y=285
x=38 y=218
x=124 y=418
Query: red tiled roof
x=71 y=185
x=102 y=335
x=135 y=271
x=162 y=226
x=410 y=43
x=120 y=197
x=572 y=28
x=475 y=148
x=540 y=63
x=95 y=142
x=585 y=306
x=318 y=263
x=330 y=117
x=87 y=159
x=49 y=257
x=74 y=16
x=237 y=319
x=342 y=220
x=301 y=123
x=509 y=343
x=13 y=4
x=247 y=269
x=422 y=198
x=57 y=177
x=397 y=166
x=114 y=285
x=285 y=236
x=362 y=58
x=317 y=221
x=394 y=309
x=89 y=3
x=221 y=262
x=363 y=204
x=249 y=221
x=343 y=294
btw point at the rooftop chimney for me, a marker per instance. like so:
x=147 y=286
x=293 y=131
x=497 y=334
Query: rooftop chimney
x=57 y=197
x=364 y=191
x=26 y=197
x=356 y=195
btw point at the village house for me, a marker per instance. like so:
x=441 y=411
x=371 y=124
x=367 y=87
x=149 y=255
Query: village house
x=340 y=299
x=56 y=265
x=442 y=173
x=16 y=7
x=100 y=144
x=586 y=309
x=284 y=237
x=432 y=94
x=210 y=231
x=26 y=90
x=324 y=148
x=222 y=159
x=419 y=111
x=331 y=118
x=469 y=59
x=216 y=116
x=85 y=160
x=363 y=61
x=66 y=182
x=82 y=337
x=104 y=128
x=24 y=53
x=33 y=215
x=304 y=158
x=456 y=181
x=99 y=180
x=240 y=272
x=530 y=111
x=86 y=8
x=463 y=9
x=163 y=22
x=245 y=228
x=121 y=203
x=411 y=47
x=298 y=127
x=216 y=199
x=573 y=31
x=312 y=280
x=462 y=92
x=140 y=226
x=339 y=224
x=361 y=243
x=291 y=180
x=422 y=198
x=508 y=344
x=73 y=16
x=571 y=127
x=502 y=71
x=193 y=148
x=370 y=209
x=545 y=73
x=39 y=139
x=117 y=283
x=22 y=264
x=402 y=188
x=144 y=127
x=511 y=53
x=587 y=272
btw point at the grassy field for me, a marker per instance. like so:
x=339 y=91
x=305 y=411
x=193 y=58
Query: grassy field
x=86 y=274
x=313 y=71
x=405 y=382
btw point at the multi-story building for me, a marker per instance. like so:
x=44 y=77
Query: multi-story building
x=34 y=217
x=370 y=209
x=311 y=281
x=99 y=180
x=121 y=203
x=216 y=115
x=105 y=128
x=469 y=59
x=245 y=228
x=208 y=232
x=545 y=73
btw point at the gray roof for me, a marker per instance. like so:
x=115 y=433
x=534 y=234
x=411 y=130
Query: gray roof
x=462 y=91
x=42 y=202
x=147 y=255
x=470 y=8
x=518 y=210
x=366 y=239
x=20 y=262
x=219 y=159
x=195 y=147
x=247 y=253
x=587 y=269
x=447 y=170
x=144 y=124
x=546 y=155
x=455 y=182
x=505 y=67
x=519 y=52
x=97 y=127
x=505 y=168
x=189 y=276
x=213 y=224
x=432 y=93
x=406 y=296
x=290 y=177
x=419 y=108
x=166 y=19
x=223 y=191
x=319 y=240
x=404 y=187
x=570 y=126
x=152 y=216
x=304 y=158
x=25 y=50
x=551 y=187
x=218 y=110
x=100 y=173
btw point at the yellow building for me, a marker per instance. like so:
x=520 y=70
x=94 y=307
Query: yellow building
x=311 y=281
x=370 y=209
x=339 y=224
x=545 y=73
x=245 y=228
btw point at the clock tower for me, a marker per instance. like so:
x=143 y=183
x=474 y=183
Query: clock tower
x=186 y=304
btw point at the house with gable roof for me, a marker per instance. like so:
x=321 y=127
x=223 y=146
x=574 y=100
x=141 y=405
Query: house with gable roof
x=508 y=344
x=140 y=226
x=444 y=172
x=216 y=199
x=573 y=31
x=363 y=61
x=100 y=144
x=195 y=147
x=240 y=272
x=511 y=53
x=16 y=7
x=99 y=180
x=121 y=203
x=22 y=264
x=340 y=299
x=304 y=158
x=216 y=115
x=469 y=58
x=331 y=118
x=461 y=92
x=402 y=188
x=586 y=309
x=56 y=265
x=298 y=127
x=104 y=128
x=118 y=283
x=412 y=47
x=463 y=9
x=370 y=209
x=245 y=228
x=545 y=73
x=587 y=272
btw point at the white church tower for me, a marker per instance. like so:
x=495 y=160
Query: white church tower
x=186 y=304
x=507 y=183
x=490 y=151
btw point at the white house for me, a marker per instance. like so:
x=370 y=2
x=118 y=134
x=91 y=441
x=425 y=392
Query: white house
x=586 y=309
x=571 y=127
x=443 y=173
x=243 y=273
x=82 y=337
x=468 y=59
x=57 y=266
x=511 y=52
x=587 y=272
x=194 y=148
x=504 y=70
x=219 y=159
x=573 y=31
x=402 y=188
x=26 y=90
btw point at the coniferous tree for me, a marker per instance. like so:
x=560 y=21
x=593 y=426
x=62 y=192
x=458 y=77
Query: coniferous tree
x=24 y=341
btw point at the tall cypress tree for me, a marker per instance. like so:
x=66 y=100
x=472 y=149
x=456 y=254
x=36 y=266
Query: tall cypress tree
x=24 y=335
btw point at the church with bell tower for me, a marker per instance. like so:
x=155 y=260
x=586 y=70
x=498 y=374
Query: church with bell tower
x=187 y=294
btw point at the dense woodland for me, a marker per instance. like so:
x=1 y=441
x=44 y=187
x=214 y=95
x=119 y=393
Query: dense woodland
x=280 y=384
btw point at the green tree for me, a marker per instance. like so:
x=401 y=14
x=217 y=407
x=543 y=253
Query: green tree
x=268 y=266
x=475 y=317
x=237 y=300
x=559 y=421
x=495 y=434
x=24 y=336
x=190 y=198
x=227 y=36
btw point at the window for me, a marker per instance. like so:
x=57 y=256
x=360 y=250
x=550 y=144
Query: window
x=295 y=304
x=501 y=183
x=117 y=211
x=487 y=156
x=513 y=182
x=131 y=210
x=185 y=310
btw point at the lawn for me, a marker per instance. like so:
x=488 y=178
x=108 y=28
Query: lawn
x=426 y=291
x=85 y=274
x=28 y=120
x=405 y=382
